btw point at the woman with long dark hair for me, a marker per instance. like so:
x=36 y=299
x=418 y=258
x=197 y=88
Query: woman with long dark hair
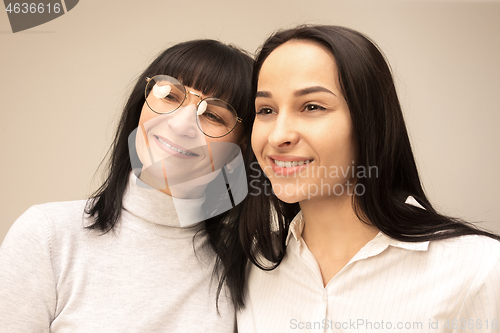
x=141 y=254
x=347 y=239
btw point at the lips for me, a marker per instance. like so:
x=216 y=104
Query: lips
x=288 y=165
x=173 y=148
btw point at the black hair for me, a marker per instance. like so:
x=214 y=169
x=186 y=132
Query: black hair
x=382 y=141
x=215 y=69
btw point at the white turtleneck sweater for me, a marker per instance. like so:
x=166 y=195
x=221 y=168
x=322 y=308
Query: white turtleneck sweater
x=144 y=276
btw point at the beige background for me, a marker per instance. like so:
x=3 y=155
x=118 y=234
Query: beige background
x=62 y=86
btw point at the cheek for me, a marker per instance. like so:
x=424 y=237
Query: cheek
x=341 y=149
x=257 y=148
x=146 y=115
x=259 y=138
x=141 y=147
x=223 y=150
x=349 y=142
x=237 y=135
x=141 y=140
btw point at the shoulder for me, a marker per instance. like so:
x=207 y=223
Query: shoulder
x=56 y=211
x=33 y=258
x=468 y=247
x=44 y=235
x=475 y=256
x=59 y=210
x=477 y=263
x=42 y=221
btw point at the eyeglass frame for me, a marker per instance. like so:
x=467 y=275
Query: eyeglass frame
x=148 y=79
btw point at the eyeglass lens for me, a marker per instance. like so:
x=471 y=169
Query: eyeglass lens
x=215 y=117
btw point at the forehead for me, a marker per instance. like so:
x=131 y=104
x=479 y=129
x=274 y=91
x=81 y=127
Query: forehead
x=299 y=64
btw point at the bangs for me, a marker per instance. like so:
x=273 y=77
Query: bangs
x=215 y=69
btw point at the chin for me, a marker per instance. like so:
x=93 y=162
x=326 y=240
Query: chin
x=289 y=200
x=289 y=194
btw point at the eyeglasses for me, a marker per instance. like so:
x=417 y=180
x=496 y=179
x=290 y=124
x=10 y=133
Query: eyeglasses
x=214 y=117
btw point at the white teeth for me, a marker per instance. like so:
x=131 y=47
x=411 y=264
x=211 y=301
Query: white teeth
x=288 y=164
x=177 y=150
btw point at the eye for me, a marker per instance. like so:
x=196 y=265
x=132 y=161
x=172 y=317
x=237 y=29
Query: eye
x=172 y=98
x=265 y=111
x=213 y=117
x=313 y=107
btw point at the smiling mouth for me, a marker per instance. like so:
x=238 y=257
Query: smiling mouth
x=177 y=150
x=290 y=164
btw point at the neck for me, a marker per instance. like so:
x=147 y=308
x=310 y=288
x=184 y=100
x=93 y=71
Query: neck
x=158 y=183
x=186 y=190
x=333 y=232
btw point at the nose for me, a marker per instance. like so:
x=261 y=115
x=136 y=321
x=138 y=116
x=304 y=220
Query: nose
x=284 y=134
x=183 y=120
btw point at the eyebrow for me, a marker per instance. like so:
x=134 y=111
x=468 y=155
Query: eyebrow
x=297 y=93
x=311 y=90
x=263 y=94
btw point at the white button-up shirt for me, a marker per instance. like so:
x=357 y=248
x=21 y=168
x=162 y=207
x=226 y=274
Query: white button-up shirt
x=450 y=285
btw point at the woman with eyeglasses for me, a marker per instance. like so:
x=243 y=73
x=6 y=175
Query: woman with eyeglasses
x=141 y=255
x=347 y=240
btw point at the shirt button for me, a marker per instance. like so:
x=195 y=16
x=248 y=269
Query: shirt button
x=325 y=297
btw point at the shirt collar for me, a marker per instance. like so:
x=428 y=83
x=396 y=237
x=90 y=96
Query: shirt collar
x=379 y=243
x=296 y=228
x=154 y=206
x=413 y=246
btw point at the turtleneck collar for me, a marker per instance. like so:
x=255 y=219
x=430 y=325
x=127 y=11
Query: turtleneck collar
x=152 y=210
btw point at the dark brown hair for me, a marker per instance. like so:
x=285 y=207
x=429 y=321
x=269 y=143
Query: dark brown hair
x=382 y=141
x=215 y=69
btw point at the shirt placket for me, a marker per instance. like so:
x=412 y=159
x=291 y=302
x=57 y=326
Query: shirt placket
x=319 y=311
